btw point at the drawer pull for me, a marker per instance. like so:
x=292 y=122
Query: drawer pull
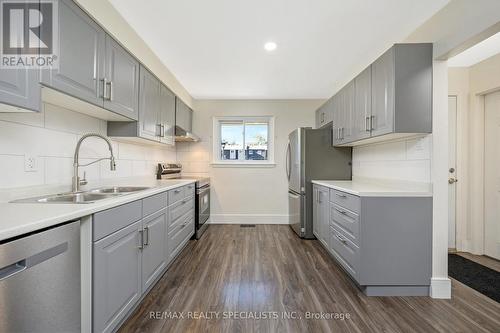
x=146 y=242
x=184 y=201
x=341 y=195
x=343 y=212
x=177 y=191
x=340 y=238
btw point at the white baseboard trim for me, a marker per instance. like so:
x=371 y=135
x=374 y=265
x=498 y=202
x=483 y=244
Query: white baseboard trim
x=248 y=219
x=440 y=288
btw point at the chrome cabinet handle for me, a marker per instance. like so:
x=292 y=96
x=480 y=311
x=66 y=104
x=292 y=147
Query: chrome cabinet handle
x=340 y=238
x=343 y=212
x=177 y=191
x=146 y=229
x=367 y=124
x=141 y=235
x=158 y=130
x=104 y=88
x=110 y=95
x=341 y=195
x=372 y=123
x=342 y=131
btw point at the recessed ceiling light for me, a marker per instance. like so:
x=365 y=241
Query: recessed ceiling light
x=270 y=46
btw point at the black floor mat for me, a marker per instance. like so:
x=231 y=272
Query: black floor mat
x=478 y=277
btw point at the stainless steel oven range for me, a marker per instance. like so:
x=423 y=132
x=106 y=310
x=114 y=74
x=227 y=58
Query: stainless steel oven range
x=202 y=210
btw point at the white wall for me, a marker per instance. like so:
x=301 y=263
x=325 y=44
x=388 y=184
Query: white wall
x=396 y=161
x=51 y=137
x=246 y=194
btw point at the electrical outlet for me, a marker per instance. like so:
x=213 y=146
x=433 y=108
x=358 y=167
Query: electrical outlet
x=30 y=163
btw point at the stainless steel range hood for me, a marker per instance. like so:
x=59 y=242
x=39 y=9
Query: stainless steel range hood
x=184 y=123
x=181 y=135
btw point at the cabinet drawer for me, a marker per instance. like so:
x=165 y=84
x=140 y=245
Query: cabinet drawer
x=111 y=220
x=346 y=252
x=176 y=194
x=154 y=203
x=346 y=220
x=345 y=200
x=189 y=190
x=179 y=209
x=180 y=233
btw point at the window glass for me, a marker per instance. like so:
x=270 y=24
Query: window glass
x=256 y=141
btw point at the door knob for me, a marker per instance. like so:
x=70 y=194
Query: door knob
x=452 y=180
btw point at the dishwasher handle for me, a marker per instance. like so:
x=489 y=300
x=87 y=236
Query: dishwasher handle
x=26 y=263
x=8 y=271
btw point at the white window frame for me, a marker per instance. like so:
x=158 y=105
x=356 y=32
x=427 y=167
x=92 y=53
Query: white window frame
x=216 y=158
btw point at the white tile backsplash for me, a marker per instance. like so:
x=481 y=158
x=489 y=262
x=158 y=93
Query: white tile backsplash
x=403 y=160
x=51 y=137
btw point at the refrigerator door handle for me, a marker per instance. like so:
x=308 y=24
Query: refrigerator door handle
x=287 y=162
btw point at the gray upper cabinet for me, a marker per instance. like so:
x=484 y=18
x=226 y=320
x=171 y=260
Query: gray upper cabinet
x=117 y=266
x=153 y=253
x=81 y=55
x=149 y=106
x=19 y=88
x=167 y=115
x=324 y=115
x=183 y=115
x=382 y=117
x=362 y=105
x=391 y=98
x=121 y=81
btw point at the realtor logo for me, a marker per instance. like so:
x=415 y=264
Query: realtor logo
x=28 y=32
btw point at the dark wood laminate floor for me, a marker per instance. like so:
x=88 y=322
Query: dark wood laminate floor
x=268 y=268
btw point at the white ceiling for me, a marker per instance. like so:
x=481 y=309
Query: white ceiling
x=216 y=48
x=477 y=53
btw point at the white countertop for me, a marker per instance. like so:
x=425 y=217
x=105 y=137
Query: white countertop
x=20 y=218
x=374 y=189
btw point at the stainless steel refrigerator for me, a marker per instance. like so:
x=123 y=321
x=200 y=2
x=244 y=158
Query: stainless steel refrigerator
x=311 y=156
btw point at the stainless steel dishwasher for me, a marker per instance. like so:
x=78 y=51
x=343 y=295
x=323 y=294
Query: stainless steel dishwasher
x=40 y=281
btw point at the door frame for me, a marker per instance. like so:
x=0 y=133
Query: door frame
x=483 y=100
x=456 y=174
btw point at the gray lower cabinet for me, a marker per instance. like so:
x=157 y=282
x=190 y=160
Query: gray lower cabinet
x=133 y=245
x=155 y=245
x=383 y=243
x=19 y=88
x=117 y=277
x=320 y=214
x=121 y=81
x=81 y=55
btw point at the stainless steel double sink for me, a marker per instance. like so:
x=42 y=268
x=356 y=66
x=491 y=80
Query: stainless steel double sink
x=83 y=197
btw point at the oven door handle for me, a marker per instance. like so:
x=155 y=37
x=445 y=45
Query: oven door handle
x=202 y=190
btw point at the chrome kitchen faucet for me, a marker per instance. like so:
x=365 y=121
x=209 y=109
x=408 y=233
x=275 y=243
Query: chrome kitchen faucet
x=76 y=180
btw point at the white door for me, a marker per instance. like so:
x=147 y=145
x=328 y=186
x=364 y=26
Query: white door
x=452 y=166
x=492 y=176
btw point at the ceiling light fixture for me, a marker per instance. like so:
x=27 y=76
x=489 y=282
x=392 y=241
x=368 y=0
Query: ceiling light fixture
x=270 y=46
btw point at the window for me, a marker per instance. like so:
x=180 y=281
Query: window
x=243 y=140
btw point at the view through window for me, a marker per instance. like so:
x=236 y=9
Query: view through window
x=244 y=141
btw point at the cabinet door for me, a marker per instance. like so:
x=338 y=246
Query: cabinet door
x=20 y=88
x=317 y=117
x=316 y=217
x=183 y=115
x=81 y=55
x=323 y=215
x=382 y=118
x=149 y=105
x=362 y=105
x=116 y=277
x=153 y=253
x=347 y=126
x=338 y=117
x=167 y=115
x=122 y=77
